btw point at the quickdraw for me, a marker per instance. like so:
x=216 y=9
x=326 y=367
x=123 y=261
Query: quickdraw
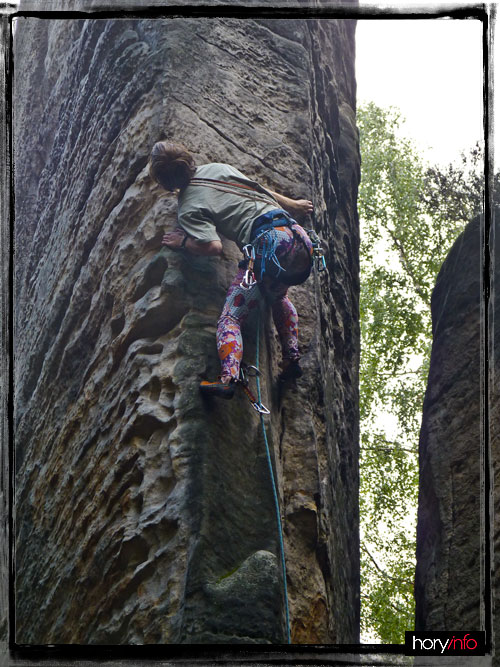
x=247 y=371
x=318 y=251
x=249 y=277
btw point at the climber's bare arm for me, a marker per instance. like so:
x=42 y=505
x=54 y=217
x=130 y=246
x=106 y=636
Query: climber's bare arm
x=175 y=239
x=297 y=207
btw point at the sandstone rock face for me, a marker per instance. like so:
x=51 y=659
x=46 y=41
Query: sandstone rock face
x=448 y=587
x=143 y=513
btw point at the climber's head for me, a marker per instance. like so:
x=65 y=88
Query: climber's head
x=172 y=165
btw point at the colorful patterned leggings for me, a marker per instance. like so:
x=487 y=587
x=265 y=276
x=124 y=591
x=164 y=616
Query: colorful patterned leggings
x=294 y=256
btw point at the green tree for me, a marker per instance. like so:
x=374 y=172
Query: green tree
x=410 y=215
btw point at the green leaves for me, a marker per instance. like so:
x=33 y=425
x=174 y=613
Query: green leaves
x=410 y=214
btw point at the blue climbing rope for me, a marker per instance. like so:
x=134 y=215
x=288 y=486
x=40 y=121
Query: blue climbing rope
x=276 y=501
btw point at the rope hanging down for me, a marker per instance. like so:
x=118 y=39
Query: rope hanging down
x=247 y=371
x=275 y=494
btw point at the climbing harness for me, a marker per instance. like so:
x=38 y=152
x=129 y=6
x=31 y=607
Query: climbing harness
x=265 y=239
x=247 y=371
x=318 y=251
x=264 y=244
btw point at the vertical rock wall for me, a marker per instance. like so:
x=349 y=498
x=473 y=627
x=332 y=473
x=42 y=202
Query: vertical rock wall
x=5 y=340
x=143 y=513
x=448 y=589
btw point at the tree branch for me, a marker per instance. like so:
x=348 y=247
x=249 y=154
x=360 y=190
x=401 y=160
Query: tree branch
x=408 y=269
x=391 y=444
x=398 y=375
x=399 y=580
x=392 y=448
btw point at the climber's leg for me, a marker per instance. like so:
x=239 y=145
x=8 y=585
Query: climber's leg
x=239 y=304
x=295 y=258
x=285 y=320
x=229 y=347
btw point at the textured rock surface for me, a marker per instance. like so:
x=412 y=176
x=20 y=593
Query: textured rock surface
x=448 y=578
x=143 y=513
x=4 y=344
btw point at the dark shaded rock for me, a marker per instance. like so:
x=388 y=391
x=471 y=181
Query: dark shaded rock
x=144 y=513
x=448 y=586
x=492 y=591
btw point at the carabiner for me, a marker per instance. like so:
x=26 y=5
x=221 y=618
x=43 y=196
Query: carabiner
x=249 y=277
x=248 y=280
x=251 y=371
x=319 y=254
x=260 y=407
x=243 y=380
x=249 y=254
x=318 y=251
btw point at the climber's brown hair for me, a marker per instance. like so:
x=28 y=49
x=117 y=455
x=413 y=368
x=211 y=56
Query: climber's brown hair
x=172 y=165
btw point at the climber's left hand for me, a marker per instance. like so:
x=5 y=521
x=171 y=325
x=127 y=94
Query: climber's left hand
x=174 y=238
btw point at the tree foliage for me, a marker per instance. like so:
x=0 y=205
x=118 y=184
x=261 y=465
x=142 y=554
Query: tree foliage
x=410 y=215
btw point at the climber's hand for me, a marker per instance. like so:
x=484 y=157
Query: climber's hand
x=302 y=207
x=174 y=238
x=298 y=208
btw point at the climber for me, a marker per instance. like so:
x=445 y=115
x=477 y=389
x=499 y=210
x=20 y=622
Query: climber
x=216 y=198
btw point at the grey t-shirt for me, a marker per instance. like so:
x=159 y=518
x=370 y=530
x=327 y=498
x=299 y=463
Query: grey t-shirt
x=206 y=207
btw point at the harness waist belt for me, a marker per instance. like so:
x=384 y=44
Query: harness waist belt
x=276 y=218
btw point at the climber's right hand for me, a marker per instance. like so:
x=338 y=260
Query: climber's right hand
x=302 y=207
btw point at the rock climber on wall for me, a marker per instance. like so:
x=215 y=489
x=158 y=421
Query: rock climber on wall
x=216 y=198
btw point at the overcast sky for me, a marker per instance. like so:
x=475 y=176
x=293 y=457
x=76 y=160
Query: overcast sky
x=432 y=70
